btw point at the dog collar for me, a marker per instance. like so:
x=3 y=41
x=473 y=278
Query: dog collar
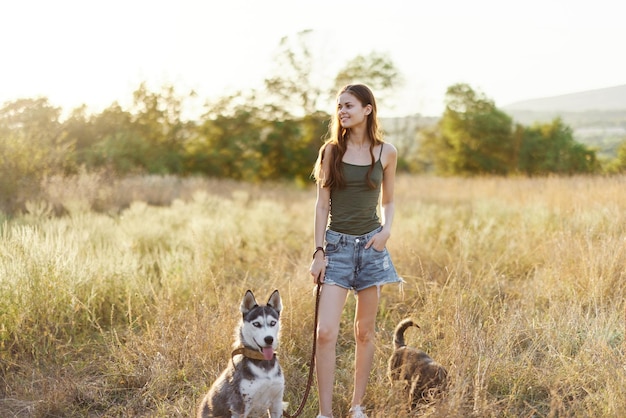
x=249 y=353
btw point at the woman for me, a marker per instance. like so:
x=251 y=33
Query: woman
x=354 y=166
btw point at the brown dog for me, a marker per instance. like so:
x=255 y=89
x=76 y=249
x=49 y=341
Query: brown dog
x=423 y=376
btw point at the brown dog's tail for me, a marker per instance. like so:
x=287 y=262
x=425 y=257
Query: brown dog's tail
x=398 y=336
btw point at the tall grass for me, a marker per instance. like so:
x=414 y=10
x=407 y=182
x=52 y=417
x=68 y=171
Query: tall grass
x=126 y=305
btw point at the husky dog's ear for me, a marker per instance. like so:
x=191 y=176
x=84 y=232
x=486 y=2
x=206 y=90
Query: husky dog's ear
x=274 y=301
x=248 y=302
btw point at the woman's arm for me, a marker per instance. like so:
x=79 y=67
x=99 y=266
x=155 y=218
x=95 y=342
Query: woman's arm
x=322 y=210
x=389 y=160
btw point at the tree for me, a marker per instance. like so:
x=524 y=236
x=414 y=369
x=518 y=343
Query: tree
x=78 y=130
x=296 y=91
x=32 y=146
x=551 y=148
x=109 y=140
x=621 y=156
x=474 y=136
x=279 y=150
x=293 y=88
x=377 y=70
x=226 y=143
x=618 y=165
x=432 y=154
x=157 y=118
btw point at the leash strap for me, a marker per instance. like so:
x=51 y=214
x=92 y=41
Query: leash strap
x=312 y=367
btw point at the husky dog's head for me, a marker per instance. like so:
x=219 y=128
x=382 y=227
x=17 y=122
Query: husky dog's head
x=260 y=323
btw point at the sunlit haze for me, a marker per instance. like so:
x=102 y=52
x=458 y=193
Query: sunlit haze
x=97 y=52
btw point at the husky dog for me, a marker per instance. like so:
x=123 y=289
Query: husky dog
x=253 y=382
x=423 y=376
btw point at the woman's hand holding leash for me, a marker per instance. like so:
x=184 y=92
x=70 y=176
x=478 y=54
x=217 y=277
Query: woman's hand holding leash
x=318 y=265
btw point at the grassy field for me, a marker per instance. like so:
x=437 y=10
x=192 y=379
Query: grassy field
x=129 y=311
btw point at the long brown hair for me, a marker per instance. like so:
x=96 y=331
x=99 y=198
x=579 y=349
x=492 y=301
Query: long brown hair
x=338 y=136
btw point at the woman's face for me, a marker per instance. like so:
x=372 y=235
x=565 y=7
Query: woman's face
x=350 y=111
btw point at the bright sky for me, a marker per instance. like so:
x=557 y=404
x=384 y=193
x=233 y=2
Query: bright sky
x=97 y=52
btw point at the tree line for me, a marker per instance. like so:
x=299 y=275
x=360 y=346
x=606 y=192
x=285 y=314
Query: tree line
x=272 y=134
x=474 y=137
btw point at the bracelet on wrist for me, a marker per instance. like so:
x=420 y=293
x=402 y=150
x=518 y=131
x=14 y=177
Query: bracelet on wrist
x=319 y=249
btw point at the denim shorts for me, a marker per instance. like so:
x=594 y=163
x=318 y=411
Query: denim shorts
x=351 y=266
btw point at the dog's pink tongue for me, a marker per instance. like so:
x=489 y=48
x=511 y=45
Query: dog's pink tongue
x=268 y=353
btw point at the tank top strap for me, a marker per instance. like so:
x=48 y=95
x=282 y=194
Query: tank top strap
x=381 y=151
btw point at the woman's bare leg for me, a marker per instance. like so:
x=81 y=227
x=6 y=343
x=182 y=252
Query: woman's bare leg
x=365 y=336
x=332 y=301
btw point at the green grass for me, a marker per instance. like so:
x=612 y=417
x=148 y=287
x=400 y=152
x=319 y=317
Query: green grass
x=127 y=304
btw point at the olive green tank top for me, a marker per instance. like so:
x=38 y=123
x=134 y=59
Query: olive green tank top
x=353 y=209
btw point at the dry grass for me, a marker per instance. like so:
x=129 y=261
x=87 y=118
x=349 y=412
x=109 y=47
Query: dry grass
x=518 y=285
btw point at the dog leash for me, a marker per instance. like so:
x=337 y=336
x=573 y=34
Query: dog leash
x=312 y=367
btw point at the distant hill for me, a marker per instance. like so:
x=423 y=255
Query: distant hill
x=606 y=99
x=598 y=117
